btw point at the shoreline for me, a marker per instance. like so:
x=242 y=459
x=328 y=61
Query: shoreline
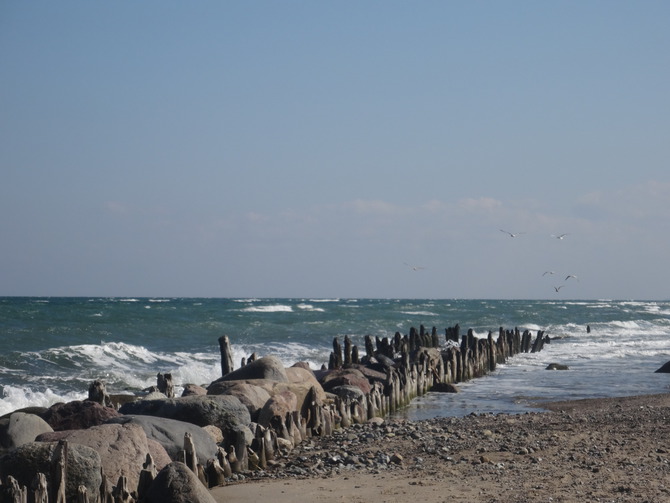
x=603 y=449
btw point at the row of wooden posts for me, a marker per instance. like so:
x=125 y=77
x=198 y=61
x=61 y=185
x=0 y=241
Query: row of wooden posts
x=413 y=364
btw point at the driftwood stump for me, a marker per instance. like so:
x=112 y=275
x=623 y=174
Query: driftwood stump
x=226 y=355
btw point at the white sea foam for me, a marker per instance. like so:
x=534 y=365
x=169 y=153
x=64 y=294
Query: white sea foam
x=277 y=308
x=309 y=307
x=15 y=397
x=419 y=313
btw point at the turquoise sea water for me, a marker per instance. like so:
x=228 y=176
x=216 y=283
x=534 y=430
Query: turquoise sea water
x=52 y=348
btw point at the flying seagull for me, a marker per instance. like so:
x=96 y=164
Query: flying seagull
x=560 y=236
x=414 y=267
x=557 y=288
x=548 y=272
x=513 y=235
x=571 y=276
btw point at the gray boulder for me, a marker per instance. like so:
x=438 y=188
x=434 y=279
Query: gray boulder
x=77 y=415
x=224 y=411
x=268 y=367
x=20 y=428
x=176 y=483
x=278 y=406
x=83 y=466
x=170 y=434
x=122 y=448
x=252 y=396
x=351 y=393
x=193 y=389
x=345 y=377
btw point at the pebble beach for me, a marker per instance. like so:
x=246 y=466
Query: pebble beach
x=594 y=450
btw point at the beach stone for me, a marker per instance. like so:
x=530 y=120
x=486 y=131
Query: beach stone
x=193 y=389
x=176 y=483
x=122 y=448
x=278 y=406
x=77 y=415
x=665 y=369
x=84 y=466
x=557 y=366
x=300 y=389
x=169 y=433
x=224 y=411
x=214 y=432
x=268 y=367
x=351 y=393
x=303 y=365
x=252 y=396
x=20 y=428
x=371 y=374
x=301 y=375
x=345 y=377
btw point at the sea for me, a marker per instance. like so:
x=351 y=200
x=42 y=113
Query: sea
x=52 y=348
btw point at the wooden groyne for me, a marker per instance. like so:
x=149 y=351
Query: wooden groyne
x=355 y=386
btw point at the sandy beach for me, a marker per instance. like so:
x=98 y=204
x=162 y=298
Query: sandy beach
x=599 y=450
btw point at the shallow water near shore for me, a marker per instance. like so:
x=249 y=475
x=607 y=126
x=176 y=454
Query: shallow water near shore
x=52 y=348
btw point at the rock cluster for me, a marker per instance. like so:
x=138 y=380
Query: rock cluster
x=263 y=419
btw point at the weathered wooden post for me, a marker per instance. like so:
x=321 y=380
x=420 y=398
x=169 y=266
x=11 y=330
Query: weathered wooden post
x=337 y=354
x=164 y=384
x=347 y=350
x=98 y=393
x=147 y=476
x=226 y=355
x=58 y=473
x=40 y=489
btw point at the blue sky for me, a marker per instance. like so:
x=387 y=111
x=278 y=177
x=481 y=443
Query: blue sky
x=315 y=149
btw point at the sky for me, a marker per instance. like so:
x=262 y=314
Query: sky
x=331 y=149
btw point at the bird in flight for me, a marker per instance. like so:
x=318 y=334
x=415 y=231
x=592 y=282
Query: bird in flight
x=548 y=272
x=559 y=236
x=414 y=267
x=512 y=234
x=571 y=276
x=557 y=288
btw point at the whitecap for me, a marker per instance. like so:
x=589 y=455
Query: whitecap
x=18 y=397
x=419 y=313
x=309 y=307
x=277 y=308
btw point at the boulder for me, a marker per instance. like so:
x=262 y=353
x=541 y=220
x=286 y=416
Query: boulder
x=301 y=375
x=193 y=389
x=299 y=389
x=176 y=483
x=351 y=393
x=83 y=466
x=251 y=395
x=122 y=448
x=304 y=365
x=268 y=367
x=20 y=428
x=665 y=369
x=77 y=415
x=345 y=377
x=224 y=411
x=278 y=406
x=170 y=434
